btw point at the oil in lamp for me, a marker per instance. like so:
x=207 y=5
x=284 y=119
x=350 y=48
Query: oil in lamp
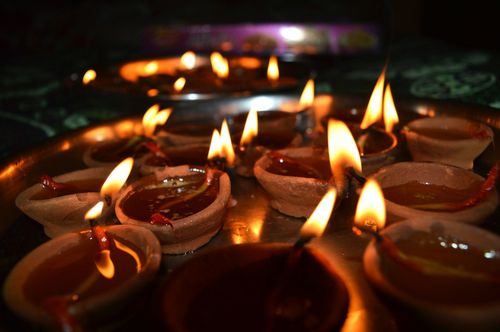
x=444 y=272
x=287 y=287
x=59 y=203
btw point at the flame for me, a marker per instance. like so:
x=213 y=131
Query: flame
x=188 y=60
x=220 y=65
x=342 y=148
x=273 y=72
x=151 y=68
x=316 y=224
x=179 y=84
x=227 y=144
x=390 y=114
x=123 y=247
x=307 y=96
x=162 y=116
x=370 y=211
x=251 y=128
x=373 y=112
x=117 y=178
x=89 y=76
x=104 y=264
x=153 y=92
x=215 y=150
x=95 y=211
x=148 y=120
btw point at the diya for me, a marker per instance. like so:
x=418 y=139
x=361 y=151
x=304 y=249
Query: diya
x=440 y=192
x=286 y=288
x=447 y=140
x=296 y=179
x=60 y=203
x=182 y=206
x=109 y=152
x=68 y=283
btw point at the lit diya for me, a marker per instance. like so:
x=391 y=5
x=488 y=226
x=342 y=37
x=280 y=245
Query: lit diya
x=376 y=145
x=448 y=272
x=280 y=287
x=183 y=206
x=110 y=152
x=199 y=76
x=447 y=140
x=81 y=280
x=296 y=179
x=440 y=192
x=60 y=203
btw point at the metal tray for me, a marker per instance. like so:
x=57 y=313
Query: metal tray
x=251 y=220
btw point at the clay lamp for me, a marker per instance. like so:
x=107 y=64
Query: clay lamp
x=220 y=151
x=374 y=138
x=60 y=203
x=296 y=179
x=109 y=152
x=81 y=280
x=183 y=206
x=445 y=273
x=441 y=192
x=286 y=287
x=447 y=140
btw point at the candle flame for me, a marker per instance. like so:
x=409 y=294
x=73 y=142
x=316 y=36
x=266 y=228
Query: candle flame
x=390 y=114
x=117 y=178
x=89 y=76
x=179 y=84
x=373 y=112
x=273 y=72
x=104 y=264
x=220 y=65
x=215 y=150
x=370 y=211
x=188 y=60
x=153 y=92
x=227 y=144
x=95 y=211
x=123 y=247
x=317 y=221
x=307 y=96
x=251 y=128
x=162 y=116
x=148 y=120
x=342 y=150
x=151 y=68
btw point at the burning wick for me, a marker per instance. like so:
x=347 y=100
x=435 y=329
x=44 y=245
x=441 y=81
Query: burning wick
x=116 y=179
x=307 y=97
x=89 y=76
x=273 y=73
x=221 y=152
x=370 y=212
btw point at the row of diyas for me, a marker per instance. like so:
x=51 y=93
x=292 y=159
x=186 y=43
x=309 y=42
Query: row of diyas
x=346 y=170
x=202 y=75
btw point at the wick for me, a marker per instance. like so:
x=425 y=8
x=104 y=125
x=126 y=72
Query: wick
x=360 y=178
x=217 y=163
x=108 y=199
x=358 y=230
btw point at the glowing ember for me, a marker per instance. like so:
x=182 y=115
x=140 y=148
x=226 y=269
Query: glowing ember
x=220 y=65
x=316 y=224
x=95 y=211
x=227 y=144
x=188 y=60
x=307 y=96
x=104 y=264
x=215 y=150
x=370 y=212
x=390 y=114
x=151 y=68
x=89 y=76
x=273 y=73
x=342 y=151
x=179 y=84
x=373 y=112
x=117 y=178
x=250 y=130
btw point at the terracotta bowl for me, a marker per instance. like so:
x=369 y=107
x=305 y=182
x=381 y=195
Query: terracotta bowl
x=189 y=233
x=95 y=309
x=450 y=316
x=90 y=160
x=372 y=161
x=64 y=213
x=291 y=195
x=229 y=289
x=449 y=176
x=460 y=150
